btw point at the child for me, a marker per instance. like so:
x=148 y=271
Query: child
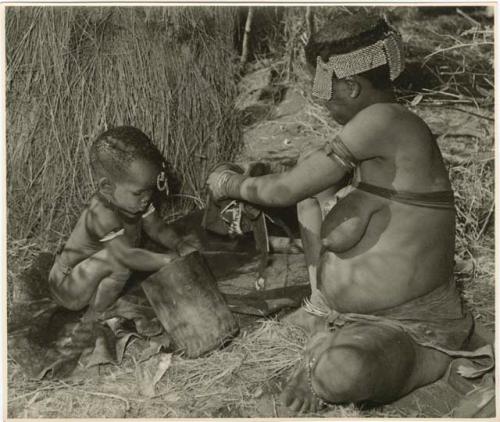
x=104 y=246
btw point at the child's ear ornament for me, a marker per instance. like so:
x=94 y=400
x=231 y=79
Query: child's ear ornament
x=162 y=181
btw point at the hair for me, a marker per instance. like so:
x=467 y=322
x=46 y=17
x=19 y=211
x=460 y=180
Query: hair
x=349 y=33
x=114 y=150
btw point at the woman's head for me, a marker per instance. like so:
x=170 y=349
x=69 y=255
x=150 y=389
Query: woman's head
x=361 y=47
x=127 y=166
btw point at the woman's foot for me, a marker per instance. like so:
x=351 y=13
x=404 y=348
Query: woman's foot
x=298 y=394
x=308 y=322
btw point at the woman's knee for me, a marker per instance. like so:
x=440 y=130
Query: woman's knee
x=342 y=374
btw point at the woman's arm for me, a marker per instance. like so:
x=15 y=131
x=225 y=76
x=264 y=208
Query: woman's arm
x=311 y=175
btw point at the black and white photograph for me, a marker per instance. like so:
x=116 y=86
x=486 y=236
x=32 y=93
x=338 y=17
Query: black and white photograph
x=249 y=210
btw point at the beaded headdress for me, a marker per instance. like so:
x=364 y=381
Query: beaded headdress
x=387 y=51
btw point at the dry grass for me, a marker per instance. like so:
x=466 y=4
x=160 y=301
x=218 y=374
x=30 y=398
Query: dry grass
x=204 y=387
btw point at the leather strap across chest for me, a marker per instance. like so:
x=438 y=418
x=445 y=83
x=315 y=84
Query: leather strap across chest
x=438 y=199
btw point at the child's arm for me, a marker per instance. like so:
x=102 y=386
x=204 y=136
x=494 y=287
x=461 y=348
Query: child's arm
x=165 y=235
x=104 y=224
x=136 y=258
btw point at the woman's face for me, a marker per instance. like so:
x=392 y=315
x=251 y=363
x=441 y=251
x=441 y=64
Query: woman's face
x=341 y=105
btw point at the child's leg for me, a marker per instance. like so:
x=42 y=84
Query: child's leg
x=108 y=290
x=82 y=285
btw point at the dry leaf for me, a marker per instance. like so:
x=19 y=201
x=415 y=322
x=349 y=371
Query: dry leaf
x=149 y=372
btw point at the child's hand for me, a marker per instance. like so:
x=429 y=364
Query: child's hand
x=185 y=247
x=169 y=257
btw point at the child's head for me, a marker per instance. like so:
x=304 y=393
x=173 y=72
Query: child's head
x=126 y=165
x=362 y=48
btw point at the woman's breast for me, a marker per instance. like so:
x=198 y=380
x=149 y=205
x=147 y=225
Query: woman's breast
x=406 y=251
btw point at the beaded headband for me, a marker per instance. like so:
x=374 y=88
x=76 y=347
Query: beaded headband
x=387 y=51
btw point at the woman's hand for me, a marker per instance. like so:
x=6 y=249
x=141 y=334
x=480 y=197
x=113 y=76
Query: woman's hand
x=185 y=247
x=224 y=183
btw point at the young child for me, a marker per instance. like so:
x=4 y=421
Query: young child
x=104 y=246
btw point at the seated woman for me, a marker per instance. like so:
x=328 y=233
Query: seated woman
x=385 y=315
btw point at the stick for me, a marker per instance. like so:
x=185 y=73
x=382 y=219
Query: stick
x=474 y=44
x=97 y=393
x=275 y=411
x=472 y=20
x=486 y=221
x=461 y=110
x=309 y=21
x=246 y=36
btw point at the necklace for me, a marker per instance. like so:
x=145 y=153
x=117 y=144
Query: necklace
x=121 y=213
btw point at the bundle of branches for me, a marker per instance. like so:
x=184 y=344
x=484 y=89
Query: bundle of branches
x=73 y=72
x=449 y=57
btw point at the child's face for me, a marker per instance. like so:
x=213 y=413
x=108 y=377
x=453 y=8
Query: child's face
x=133 y=193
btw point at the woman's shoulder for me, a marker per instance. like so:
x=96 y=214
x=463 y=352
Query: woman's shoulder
x=390 y=120
x=381 y=113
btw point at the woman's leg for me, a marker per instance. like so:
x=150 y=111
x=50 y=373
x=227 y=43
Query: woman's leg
x=362 y=363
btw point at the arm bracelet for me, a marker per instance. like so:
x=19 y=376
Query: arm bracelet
x=228 y=184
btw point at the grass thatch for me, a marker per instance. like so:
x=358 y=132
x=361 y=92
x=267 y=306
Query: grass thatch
x=73 y=72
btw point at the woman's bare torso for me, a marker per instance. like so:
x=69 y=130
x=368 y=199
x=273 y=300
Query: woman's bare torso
x=404 y=251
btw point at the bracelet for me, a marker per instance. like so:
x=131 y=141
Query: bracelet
x=228 y=184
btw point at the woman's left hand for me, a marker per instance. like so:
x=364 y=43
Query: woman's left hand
x=217 y=181
x=185 y=247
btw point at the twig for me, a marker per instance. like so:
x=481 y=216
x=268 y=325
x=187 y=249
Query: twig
x=473 y=114
x=472 y=20
x=38 y=390
x=486 y=221
x=246 y=36
x=197 y=200
x=50 y=387
x=474 y=44
x=99 y=394
x=461 y=110
x=275 y=411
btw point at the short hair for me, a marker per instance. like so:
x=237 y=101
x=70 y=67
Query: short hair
x=349 y=33
x=114 y=150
